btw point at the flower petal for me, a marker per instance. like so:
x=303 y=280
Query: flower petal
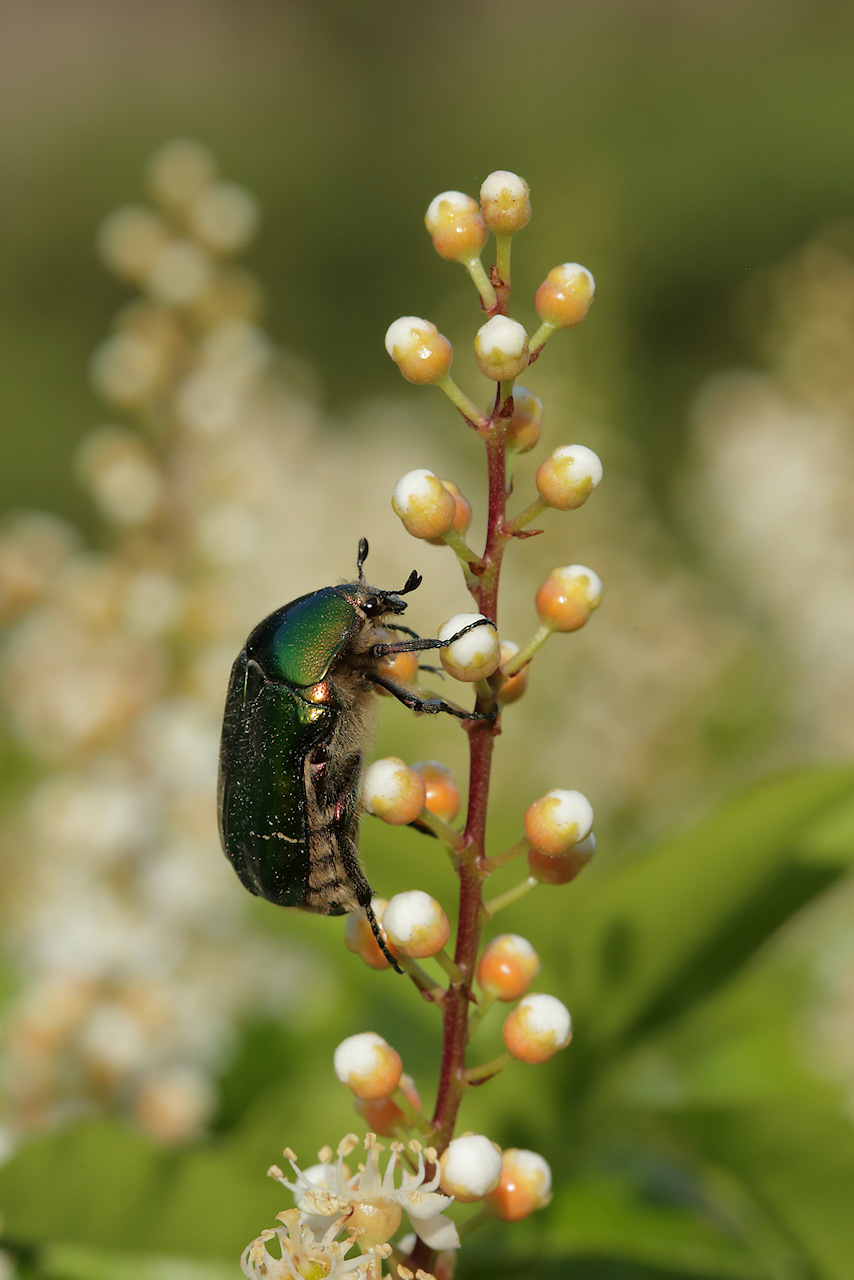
x=438 y=1232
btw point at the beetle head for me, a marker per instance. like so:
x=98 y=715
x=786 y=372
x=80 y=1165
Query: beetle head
x=380 y=602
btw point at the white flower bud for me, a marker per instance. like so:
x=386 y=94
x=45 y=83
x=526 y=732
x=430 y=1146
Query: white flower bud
x=558 y=820
x=568 y=476
x=415 y=924
x=568 y=597
x=419 y=350
x=537 y=1028
x=454 y=222
x=508 y=966
x=180 y=272
x=501 y=348
x=224 y=217
x=470 y=1167
x=564 y=297
x=368 y=1065
x=426 y=508
x=505 y=204
x=475 y=655
x=393 y=792
x=526 y=1185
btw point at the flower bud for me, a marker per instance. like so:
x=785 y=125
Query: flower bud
x=397 y=666
x=426 y=508
x=359 y=936
x=393 y=792
x=512 y=687
x=561 y=868
x=501 y=348
x=537 y=1029
x=180 y=273
x=568 y=477
x=564 y=297
x=525 y=425
x=129 y=240
x=178 y=171
x=462 y=514
x=526 y=1185
x=123 y=477
x=475 y=655
x=453 y=220
x=470 y=1167
x=383 y=1115
x=505 y=204
x=419 y=350
x=224 y=217
x=443 y=794
x=368 y=1065
x=415 y=924
x=508 y=966
x=568 y=597
x=558 y=821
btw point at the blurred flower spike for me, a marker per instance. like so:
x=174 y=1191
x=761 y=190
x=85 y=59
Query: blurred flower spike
x=112 y=670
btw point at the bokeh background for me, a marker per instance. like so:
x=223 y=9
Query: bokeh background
x=164 y=1032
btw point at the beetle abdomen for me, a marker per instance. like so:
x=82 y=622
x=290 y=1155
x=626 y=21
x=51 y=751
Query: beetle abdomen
x=267 y=731
x=289 y=806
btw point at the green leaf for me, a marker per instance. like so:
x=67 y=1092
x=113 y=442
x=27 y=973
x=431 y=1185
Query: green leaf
x=75 y=1262
x=612 y=1218
x=798 y=1164
x=100 y=1184
x=669 y=928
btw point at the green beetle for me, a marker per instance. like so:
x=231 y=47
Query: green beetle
x=298 y=716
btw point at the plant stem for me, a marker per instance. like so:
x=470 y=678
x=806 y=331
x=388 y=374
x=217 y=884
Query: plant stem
x=472 y=871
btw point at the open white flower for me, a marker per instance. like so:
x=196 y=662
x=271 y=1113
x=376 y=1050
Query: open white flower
x=370 y=1200
x=303 y=1253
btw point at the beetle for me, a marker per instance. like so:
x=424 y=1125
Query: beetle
x=298 y=717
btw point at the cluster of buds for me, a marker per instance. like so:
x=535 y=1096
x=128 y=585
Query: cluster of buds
x=465 y=982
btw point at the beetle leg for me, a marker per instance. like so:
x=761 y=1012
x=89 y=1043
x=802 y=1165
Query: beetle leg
x=347 y=782
x=396 y=626
x=411 y=646
x=430 y=706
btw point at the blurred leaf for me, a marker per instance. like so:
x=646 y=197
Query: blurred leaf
x=589 y=1268
x=73 y=1262
x=798 y=1163
x=667 y=929
x=612 y=1218
x=831 y=840
x=100 y=1184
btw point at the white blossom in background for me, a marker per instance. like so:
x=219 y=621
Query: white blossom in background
x=123 y=924
x=772 y=479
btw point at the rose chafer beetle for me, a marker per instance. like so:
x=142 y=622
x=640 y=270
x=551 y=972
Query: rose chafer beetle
x=298 y=717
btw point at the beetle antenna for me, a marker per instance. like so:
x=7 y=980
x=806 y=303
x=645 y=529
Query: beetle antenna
x=361 y=557
x=412 y=582
x=381 y=942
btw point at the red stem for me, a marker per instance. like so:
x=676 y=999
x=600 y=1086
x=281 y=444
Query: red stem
x=472 y=873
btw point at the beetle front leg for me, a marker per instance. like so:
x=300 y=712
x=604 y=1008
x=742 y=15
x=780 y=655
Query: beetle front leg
x=430 y=706
x=412 y=646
